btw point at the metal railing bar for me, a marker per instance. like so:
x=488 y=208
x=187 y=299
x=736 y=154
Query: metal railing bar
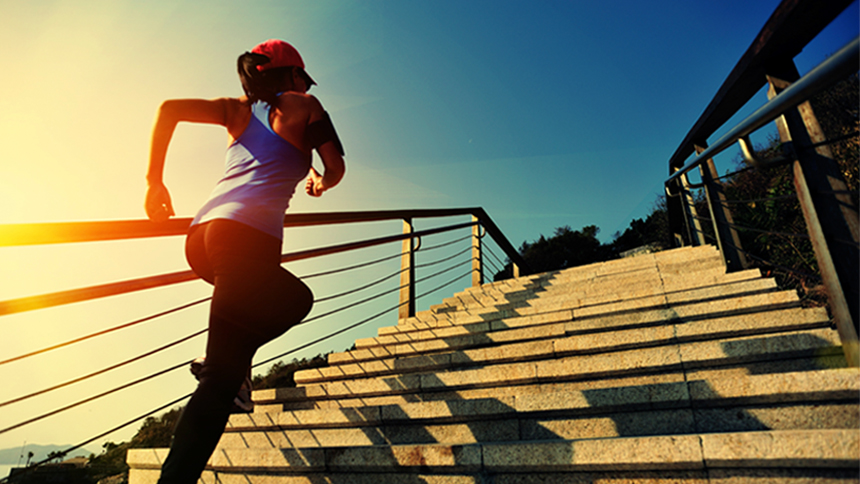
x=349 y=268
x=493 y=254
x=446 y=244
x=354 y=325
x=106 y=331
x=839 y=65
x=105 y=370
x=61 y=298
x=769 y=232
x=72 y=232
x=778 y=266
x=832 y=140
x=169 y=369
x=377 y=296
x=849 y=243
x=361 y=288
x=737 y=172
x=336 y=249
x=113 y=289
x=699 y=217
x=756 y=200
x=319 y=340
x=366 y=264
x=94 y=397
x=493 y=267
x=793 y=24
x=704 y=233
x=429 y=264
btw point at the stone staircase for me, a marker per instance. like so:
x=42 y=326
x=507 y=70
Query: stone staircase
x=657 y=368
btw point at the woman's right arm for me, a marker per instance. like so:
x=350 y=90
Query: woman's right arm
x=330 y=153
x=170 y=113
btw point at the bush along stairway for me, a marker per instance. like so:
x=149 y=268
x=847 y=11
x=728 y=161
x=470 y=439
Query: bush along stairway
x=656 y=368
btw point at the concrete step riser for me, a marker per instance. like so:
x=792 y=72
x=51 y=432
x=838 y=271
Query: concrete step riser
x=676 y=421
x=544 y=343
x=668 y=358
x=592 y=289
x=757 y=402
x=830 y=449
x=286 y=398
x=569 y=302
x=682 y=310
x=630 y=300
x=716 y=475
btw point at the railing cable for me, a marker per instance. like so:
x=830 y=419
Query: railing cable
x=95 y=397
x=790 y=196
x=445 y=244
x=105 y=370
x=299 y=348
x=777 y=266
x=490 y=251
x=106 y=331
x=349 y=268
x=355 y=325
x=429 y=264
x=377 y=296
x=361 y=288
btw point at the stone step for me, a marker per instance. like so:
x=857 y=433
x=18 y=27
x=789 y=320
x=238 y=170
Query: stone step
x=554 y=340
x=285 y=399
x=769 y=450
x=584 y=294
x=418 y=330
x=598 y=272
x=819 y=399
x=614 y=364
x=689 y=305
x=560 y=300
x=592 y=285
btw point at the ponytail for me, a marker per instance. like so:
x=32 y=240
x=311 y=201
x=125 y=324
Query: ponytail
x=262 y=85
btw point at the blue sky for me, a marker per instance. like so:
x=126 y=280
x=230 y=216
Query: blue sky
x=543 y=113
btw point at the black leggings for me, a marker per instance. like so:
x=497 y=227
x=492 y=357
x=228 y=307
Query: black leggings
x=255 y=300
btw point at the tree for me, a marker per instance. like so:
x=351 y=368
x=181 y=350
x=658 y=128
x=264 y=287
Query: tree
x=566 y=248
x=654 y=230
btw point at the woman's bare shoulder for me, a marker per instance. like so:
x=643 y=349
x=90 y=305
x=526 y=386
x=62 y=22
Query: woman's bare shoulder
x=303 y=101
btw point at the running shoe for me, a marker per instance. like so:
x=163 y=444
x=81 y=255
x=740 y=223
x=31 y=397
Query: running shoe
x=242 y=402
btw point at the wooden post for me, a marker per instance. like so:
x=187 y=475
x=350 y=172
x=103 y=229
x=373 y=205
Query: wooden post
x=477 y=262
x=407 y=277
x=831 y=217
x=727 y=237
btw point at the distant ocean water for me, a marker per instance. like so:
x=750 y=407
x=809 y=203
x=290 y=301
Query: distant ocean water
x=4 y=470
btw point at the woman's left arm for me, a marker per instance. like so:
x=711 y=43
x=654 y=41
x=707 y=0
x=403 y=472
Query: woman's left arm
x=170 y=113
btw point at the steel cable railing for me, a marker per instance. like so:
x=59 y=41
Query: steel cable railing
x=822 y=174
x=186 y=363
x=169 y=345
x=282 y=355
x=87 y=400
x=104 y=370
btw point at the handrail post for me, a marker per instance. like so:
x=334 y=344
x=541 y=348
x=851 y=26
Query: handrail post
x=727 y=237
x=831 y=217
x=694 y=226
x=477 y=261
x=407 y=274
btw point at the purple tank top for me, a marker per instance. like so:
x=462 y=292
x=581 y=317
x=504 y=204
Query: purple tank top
x=262 y=171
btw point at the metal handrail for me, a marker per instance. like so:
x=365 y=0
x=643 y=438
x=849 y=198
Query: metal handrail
x=793 y=24
x=837 y=67
x=829 y=215
x=31 y=234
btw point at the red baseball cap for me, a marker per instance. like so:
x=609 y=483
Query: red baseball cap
x=280 y=54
